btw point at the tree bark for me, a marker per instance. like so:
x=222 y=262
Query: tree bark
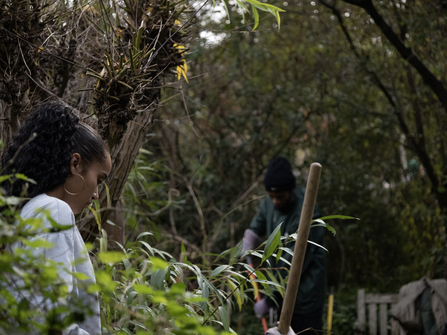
x=123 y=155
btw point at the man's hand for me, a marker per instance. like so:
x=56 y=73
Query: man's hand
x=251 y=241
x=275 y=331
x=261 y=309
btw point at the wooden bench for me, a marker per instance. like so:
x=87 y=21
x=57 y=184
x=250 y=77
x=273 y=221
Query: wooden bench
x=385 y=324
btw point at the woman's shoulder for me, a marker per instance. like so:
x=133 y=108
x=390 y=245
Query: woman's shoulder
x=59 y=210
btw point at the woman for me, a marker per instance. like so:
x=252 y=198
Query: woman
x=67 y=159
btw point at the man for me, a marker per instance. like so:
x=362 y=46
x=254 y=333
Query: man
x=283 y=205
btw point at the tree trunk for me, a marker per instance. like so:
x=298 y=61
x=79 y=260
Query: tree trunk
x=123 y=155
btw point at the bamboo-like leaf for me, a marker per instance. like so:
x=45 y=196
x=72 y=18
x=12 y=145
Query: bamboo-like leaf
x=158 y=277
x=226 y=8
x=328 y=227
x=318 y=245
x=235 y=252
x=255 y=288
x=145 y=233
x=255 y=16
x=218 y=270
x=272 y=242
x=241 y=4
x=278 y=19
x=237 y=294
x=278 y=254
x=336 y=217
x=224 y=318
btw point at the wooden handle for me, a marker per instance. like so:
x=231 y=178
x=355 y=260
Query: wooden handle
x=300 y=248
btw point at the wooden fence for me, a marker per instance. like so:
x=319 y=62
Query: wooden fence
x=385 y=324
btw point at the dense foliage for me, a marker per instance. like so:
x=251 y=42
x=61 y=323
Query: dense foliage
x=332 y=87
x=142 y=289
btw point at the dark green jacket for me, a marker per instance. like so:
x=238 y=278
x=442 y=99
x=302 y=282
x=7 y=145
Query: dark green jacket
x=311 y=292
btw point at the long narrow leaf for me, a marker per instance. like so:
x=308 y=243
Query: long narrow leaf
x=272 y=242
x=255 y=16
x=224 y=317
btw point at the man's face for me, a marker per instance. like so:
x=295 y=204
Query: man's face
x=280 y=199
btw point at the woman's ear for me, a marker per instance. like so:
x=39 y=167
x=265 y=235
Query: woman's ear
x=75 y=164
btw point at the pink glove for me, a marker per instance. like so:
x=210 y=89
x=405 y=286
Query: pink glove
x=251 y=241
x=261 y=308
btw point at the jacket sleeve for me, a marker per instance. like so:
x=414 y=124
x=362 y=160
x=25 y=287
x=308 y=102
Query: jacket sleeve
x=259 y=222
x=62 y=252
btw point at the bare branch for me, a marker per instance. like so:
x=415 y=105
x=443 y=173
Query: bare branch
x=406 y=53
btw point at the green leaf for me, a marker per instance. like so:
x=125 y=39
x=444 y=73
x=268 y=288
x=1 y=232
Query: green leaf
x=105 y=279
x=79 y=275
x=12 y=200
x=336 y=217
x=224 y=318
x=112 y=257
x=237 y=294
x=158 y=263
x=324 y=224
x=38 y=243
x=178 y=288
x=235 y=252
x=183 y=253
x=25 y=178
x=157 y=279
x=278 y=255
x=320 y=246
x=143 y=289
x=272 y=242
x=218 y=270
x=255 y=16
x=205 y=291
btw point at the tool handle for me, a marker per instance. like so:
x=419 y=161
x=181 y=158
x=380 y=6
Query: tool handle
x=310 y=198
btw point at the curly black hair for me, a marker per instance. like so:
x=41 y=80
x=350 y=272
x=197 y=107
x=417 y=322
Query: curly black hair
x=43 y=146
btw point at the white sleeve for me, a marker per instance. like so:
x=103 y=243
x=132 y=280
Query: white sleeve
x=61 y=252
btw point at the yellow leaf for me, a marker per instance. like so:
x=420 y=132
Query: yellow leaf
x=177 y=22
x=255 y=288
x=236 y=294
x=179 y=70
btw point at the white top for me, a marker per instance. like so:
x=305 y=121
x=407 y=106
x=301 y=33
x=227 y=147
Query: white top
x=68 y=247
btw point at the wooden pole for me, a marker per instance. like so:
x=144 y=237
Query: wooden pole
x=300 y=248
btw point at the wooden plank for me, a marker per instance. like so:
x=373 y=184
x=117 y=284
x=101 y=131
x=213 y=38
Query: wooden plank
x=381 y=298
x=395 y=328
x=383 y=319
x=361 y=315
x=372 y=319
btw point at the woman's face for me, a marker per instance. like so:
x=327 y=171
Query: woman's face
x=84 y=190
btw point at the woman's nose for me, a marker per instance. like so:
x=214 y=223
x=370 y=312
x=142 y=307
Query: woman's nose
x=95 y=194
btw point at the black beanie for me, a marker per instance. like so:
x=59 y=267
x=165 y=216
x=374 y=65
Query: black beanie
x=279 y=176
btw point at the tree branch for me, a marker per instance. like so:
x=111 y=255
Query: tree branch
x=406 y=53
